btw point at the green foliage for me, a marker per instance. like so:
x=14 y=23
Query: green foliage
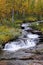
x=38 y=26
x=31 y=18
x=8 y=33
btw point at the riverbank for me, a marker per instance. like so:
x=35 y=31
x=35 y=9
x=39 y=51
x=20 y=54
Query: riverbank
x=38 y=26
x=8 y=33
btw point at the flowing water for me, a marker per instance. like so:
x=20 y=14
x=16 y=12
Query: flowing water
x=26 y=40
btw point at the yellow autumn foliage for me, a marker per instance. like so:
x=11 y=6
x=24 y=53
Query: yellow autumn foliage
x=29 y=6
x=8 y=33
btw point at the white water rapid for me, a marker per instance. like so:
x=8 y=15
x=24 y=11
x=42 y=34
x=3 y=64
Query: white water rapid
x=30 y=41
x=23 y=43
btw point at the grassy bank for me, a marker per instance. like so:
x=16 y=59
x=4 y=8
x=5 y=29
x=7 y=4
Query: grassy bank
x=8 y=33
x=38 y=26
x=18 y=21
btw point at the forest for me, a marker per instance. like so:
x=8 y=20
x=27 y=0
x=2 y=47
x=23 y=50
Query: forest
x=12 y=10
x=21 y=32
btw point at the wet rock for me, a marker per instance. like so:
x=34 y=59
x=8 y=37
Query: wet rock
x=41 y=38
x=36 y=50
x=20 y=62
x=38 y=57
x=19 y=55
x=37 y=32
x=28 y=29
x=3 y=63
x=3 y=45
x=12 y=62
x=0 y=47
x=40 y=48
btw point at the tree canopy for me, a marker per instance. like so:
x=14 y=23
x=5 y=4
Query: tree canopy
x=21 y=7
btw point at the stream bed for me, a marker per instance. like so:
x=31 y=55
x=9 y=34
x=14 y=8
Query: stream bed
x=26 y=50
x=26 y=40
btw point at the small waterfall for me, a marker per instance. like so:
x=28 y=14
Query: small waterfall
x=25 y=41
x=21 y=44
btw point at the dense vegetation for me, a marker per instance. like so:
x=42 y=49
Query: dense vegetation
x=14 y=12
x=38 y=26
x=8 y=34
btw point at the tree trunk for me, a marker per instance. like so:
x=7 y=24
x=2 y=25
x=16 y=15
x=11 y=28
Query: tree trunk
x=12 y=15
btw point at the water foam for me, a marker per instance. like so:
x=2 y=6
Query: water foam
x=21 y=44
